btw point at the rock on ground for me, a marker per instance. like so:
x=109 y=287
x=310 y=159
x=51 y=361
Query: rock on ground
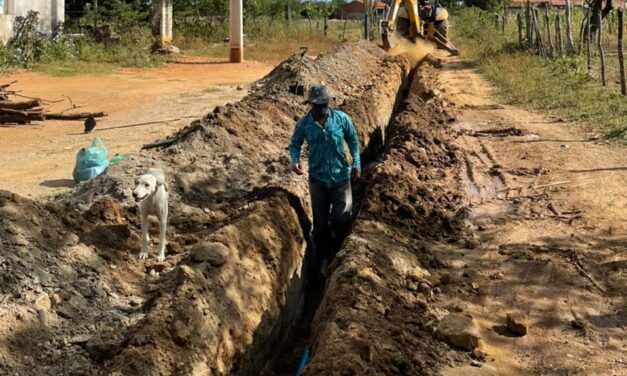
x=517 y=323
x=459 y=330
x=212 y=252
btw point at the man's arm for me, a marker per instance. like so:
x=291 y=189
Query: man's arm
x=298 y=137
x=350 y=135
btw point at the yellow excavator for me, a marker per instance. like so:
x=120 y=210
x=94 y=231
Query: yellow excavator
x=412 y=19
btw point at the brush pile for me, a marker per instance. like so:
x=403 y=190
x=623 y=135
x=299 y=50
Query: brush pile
x=32 y=109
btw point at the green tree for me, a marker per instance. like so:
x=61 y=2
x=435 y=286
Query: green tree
x=490 y=5
x=254 y=9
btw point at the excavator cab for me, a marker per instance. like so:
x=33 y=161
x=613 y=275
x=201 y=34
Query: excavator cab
x=410 y=19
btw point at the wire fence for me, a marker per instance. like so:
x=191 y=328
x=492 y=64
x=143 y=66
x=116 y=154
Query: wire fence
x=555 y=32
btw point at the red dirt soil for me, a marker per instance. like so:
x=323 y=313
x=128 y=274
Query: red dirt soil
x=38 y=159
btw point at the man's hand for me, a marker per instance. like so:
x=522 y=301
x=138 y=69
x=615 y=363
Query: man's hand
x=298 y=168
x=355 y=173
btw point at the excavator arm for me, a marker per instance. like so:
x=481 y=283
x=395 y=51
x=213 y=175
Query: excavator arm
x=389 y=26
x=415 y=26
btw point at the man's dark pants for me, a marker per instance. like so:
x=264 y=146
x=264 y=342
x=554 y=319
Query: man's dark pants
x=332 y=206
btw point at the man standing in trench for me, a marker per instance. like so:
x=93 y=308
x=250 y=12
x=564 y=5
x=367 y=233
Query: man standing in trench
x=330 y=172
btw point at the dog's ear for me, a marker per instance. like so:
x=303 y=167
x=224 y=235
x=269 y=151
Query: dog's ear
x=161 y=181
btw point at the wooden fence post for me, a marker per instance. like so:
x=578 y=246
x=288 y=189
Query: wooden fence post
x=558 y=34
x=583 y=33
x=504 y=16
x=621 y=60
x=520 y=36
x=528 y=24
x=326 y=25
x=600 y=45
x=547 y=23
x=589 y=67
x=569 y=34
x=539 y=43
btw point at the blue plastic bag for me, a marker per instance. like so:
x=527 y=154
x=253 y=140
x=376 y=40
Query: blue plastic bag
x=92 y=161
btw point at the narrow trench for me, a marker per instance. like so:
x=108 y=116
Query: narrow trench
x=291 y=352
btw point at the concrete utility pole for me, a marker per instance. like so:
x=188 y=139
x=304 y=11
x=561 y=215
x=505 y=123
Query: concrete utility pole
x=162 y=21
x=236 y=32
x=10 y=7
x=57 y=13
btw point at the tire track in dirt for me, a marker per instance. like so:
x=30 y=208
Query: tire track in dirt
x=560 y=204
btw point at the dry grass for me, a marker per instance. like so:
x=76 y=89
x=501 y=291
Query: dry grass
x=559 y=85
x=273 y=44
x=559 y=88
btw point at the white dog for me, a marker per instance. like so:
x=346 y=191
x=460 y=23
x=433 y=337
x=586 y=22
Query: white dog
x=152 y=195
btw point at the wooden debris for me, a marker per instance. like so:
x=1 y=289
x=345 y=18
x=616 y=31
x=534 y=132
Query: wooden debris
x=552 y=184
x=589 y=277
x=553 y=210
x=76 y=116
x=26 y=105
x=164 y=143
x=24 y=112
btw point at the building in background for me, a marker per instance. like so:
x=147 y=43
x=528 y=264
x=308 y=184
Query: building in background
x=521 y=4
x=355 y=10
x=51 y=12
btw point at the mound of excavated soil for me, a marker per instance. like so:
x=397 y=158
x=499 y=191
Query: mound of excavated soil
x=76 y=300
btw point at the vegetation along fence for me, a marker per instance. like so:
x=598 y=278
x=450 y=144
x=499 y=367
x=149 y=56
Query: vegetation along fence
x=594 y=30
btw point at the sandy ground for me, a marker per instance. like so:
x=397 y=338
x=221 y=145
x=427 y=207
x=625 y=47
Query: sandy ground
x=550 y=204
x=545 y=236
x=37 y=160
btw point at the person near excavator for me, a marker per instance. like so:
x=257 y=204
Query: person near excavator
x=431 y=15
x=438 y=15
x=330 y=172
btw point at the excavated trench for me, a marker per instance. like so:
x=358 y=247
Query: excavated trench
x=346 y=327
x=308 y=292
x=385 y=296
x=234 y=294
x=282 y=352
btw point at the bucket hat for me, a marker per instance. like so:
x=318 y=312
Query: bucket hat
x=318 y=94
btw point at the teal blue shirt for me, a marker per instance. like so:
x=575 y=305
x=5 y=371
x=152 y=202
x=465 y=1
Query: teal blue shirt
x=327 y=161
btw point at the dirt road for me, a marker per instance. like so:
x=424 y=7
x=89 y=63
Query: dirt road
x=549 y=204
x=38 y=159
x=469 y=210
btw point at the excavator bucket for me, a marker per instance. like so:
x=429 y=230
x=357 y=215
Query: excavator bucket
x=390 y=40
x=389 y=37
